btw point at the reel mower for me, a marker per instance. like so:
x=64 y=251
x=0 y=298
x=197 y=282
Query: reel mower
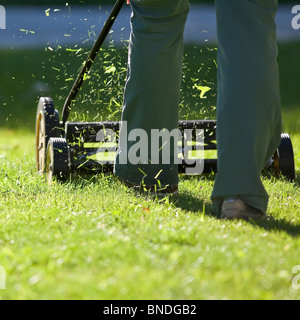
x=64 y=148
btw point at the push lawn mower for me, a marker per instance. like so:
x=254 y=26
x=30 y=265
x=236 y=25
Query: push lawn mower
x=64 y=148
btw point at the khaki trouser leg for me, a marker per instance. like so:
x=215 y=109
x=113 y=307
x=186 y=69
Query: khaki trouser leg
x=152 y=89
x=248 y=107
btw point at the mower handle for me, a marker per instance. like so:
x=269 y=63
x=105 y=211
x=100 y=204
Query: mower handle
x=90 y=60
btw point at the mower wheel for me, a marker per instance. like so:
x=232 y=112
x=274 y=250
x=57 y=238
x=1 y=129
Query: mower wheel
x=47 y=126
x=57 y=160
x=286 y=159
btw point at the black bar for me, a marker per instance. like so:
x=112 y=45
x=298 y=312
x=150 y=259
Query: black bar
x=89 y=130
x=210 y=165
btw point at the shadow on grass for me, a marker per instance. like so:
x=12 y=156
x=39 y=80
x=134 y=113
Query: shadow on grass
x=189 y=202
x=193 y=204
x=278 y=225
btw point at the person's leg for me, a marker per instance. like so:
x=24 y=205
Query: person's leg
x=151 y=98
x=248 y=106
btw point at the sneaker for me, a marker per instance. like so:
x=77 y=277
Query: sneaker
x=238 y=209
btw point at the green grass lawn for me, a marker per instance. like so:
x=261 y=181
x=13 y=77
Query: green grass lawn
x=95 y=239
